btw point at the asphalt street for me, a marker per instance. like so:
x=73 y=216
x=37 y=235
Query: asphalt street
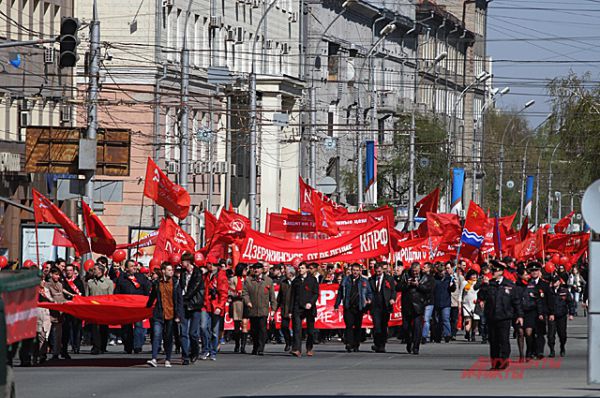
x=440 y=370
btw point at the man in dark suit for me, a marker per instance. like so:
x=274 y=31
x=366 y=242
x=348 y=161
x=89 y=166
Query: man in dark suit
x=305 y=293
x=383 y=287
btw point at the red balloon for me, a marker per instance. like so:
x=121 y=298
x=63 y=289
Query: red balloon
x=28 y=264
x=555 y=258
x=154 y=263
x=144 y=270
x=475 y=267
x=198 y=259
x=549 y=267
x=296 y=262
x=88 y=264
x=564 y=260
x=3 y=262
x=119 y=255
x=175 y=258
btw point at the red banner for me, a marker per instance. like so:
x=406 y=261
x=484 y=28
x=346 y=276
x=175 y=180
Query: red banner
x=371 y=242
x=164 y=192
x=327 y=317
x=21 y=314
x=422 y=250
x=115 y=309
x=296 y=226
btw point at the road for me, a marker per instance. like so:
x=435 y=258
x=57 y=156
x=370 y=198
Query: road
x=438 y=371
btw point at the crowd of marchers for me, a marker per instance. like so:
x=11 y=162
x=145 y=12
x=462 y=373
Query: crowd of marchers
x=439 y=301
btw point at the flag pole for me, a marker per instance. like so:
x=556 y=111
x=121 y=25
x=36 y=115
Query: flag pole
x=137 y=247
x=37 y=246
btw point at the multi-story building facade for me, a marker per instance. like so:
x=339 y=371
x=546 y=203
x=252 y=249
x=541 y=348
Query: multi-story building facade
x=141 y=74
x=357 y=99
x=33 y=92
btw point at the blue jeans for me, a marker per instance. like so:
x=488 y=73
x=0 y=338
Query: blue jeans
x=190 y=333
x=442 y=318
x=427 y=318
x=139 y=335
x=209 y=330
x=163 y=331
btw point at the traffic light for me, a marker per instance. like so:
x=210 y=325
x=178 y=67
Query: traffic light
x=68 y=42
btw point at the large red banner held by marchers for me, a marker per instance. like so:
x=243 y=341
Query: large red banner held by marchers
x=370 y=242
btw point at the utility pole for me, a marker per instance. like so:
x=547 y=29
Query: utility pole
x=93 y=92
x=313 y=136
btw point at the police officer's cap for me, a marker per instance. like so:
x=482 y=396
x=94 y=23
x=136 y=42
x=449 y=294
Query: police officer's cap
x=497 y=265
x=534 y=266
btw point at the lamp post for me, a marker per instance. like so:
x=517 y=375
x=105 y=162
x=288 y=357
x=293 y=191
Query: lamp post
x=525 y=165
x=413 y=126
x=496 y=93
x=549 y=217
x=388 y=29
x=480 y=78
x=253 y=127
x=313 y=99
x=501 y=182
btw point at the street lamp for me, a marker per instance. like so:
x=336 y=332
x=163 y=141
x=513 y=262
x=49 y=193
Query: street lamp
x=525 y=164
x=513 y=118
x=411 y=172
x=253 y=129
x=313 y=99
x=480 y=78
x=496 y=93
x=384 y=32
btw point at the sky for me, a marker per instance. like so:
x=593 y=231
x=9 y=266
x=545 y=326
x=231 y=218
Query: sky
x=558 y=36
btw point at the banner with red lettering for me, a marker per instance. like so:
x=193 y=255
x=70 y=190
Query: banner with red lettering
x=302 y=226
x=371 y=242
x=327 y=317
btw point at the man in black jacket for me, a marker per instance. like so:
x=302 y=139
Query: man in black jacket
x=192 y=286
x=168 y=311
x=545 y=297
x=305 y=293
x=384 y=297
x=502 y=305
x=132 y=282
x=284 y=303
x=416 y=288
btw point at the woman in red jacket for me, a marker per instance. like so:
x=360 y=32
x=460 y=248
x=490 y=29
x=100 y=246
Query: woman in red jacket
x=216 y=291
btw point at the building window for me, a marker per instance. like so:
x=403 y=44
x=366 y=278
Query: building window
x=333 y=61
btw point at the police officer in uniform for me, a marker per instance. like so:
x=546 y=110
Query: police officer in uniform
x=545 y=306
x=502 y=304
x=564 y=306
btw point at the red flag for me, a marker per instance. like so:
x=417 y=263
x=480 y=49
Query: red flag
x=286 y=211
x=60 y=239
x=524 y=229
x=232 y=223
x=45 y=211
x=101 y=239
x=475 y=227
x=172 y=239
x=499 y=237
x=324 y=216
x=506 y=222
x=210 y=225
x=429 y=204
x=445 y=225
x=563 y=224
x=306 y=203
x=166 y=193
